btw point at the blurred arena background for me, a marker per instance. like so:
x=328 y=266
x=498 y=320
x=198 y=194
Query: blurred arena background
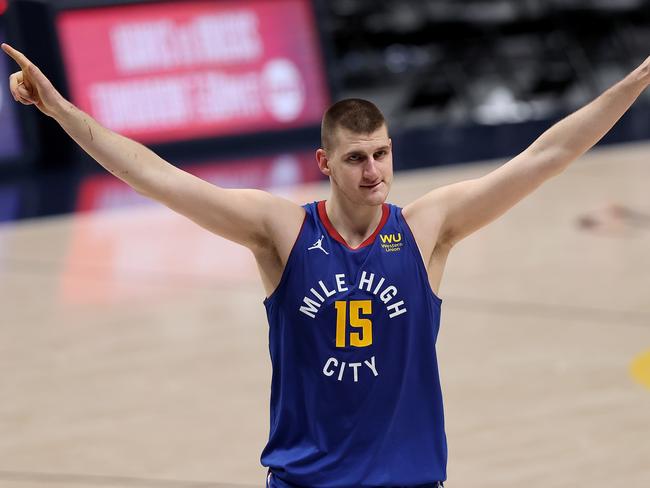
x=133 y=344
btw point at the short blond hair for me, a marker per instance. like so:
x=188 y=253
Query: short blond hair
x=354 y=114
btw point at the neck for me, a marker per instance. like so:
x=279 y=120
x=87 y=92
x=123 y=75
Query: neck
x=354 y=222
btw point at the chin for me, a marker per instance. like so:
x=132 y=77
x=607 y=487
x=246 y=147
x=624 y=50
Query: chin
x=376 y=198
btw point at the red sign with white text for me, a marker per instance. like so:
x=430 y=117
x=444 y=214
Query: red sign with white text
x=182 y=70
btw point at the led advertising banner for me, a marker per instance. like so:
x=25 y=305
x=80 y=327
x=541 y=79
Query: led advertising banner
x=171 y=71
x=11 y=144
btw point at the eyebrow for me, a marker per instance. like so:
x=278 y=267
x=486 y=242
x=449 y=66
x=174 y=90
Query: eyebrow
x=356 y=151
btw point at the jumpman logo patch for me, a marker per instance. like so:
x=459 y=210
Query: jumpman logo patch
x=318 y=245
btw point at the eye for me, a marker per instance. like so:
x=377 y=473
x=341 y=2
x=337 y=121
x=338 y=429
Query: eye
x=354 y=157
x=380 y=154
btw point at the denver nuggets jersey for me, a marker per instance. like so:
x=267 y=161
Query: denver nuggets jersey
x=355 y=392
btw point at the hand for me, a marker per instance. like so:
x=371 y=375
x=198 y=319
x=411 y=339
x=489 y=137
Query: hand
x=30 y=86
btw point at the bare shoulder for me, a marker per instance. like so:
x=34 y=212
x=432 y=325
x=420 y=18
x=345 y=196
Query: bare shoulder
x=284 y=220
x=425 y=217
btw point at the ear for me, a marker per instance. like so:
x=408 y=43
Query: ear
x=323 y=162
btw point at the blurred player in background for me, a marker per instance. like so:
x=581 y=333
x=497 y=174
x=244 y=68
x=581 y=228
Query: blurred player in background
x=351 y=282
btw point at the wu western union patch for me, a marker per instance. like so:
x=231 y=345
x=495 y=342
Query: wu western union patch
x=391 y=242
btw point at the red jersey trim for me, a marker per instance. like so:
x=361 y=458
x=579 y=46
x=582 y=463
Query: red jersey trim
x=322 y=213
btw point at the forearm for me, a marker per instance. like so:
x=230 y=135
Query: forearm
x=575 y=134
x=125 y=158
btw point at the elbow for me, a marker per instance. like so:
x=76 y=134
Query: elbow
x=552 y=161
x=141 y=192
x=143 y=189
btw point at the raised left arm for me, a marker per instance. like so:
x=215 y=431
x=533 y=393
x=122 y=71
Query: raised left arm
x=447 y=214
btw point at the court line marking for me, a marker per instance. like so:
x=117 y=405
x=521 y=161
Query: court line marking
x=552 y=310
x=527 y=308
x=45 y=268
x=98 y=480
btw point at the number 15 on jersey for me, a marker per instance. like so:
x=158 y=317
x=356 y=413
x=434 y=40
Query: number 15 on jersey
x=362 y=336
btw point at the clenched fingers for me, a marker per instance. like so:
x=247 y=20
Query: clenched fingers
x=24 y=96
x=18 y=89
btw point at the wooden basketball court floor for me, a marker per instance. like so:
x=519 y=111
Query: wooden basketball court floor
x=134 y=345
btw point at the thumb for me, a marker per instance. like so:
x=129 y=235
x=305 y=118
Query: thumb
x=43 y=93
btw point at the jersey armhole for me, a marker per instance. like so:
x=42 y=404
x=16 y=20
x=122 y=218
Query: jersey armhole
x=290 y=259
x=417 y=253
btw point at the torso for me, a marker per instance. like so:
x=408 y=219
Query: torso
x=349 y=328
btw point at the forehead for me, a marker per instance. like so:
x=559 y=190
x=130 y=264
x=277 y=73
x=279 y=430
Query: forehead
x=350 y=141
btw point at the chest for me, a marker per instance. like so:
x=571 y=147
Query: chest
x=323 y=275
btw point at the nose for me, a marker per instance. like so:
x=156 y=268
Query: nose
x=370 y=170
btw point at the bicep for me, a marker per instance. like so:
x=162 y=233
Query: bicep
x=244 y=216
x=468 y=205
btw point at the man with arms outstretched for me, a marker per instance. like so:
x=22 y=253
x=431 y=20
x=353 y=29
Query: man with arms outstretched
x=351 y=282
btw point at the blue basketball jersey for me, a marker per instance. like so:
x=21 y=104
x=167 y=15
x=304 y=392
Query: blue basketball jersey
x=355 y=393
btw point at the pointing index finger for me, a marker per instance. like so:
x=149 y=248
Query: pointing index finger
x=17 y=56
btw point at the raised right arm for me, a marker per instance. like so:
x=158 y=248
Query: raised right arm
x=253 y=218
x=245 y=216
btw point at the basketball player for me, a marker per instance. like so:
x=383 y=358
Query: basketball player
x=351 y=282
